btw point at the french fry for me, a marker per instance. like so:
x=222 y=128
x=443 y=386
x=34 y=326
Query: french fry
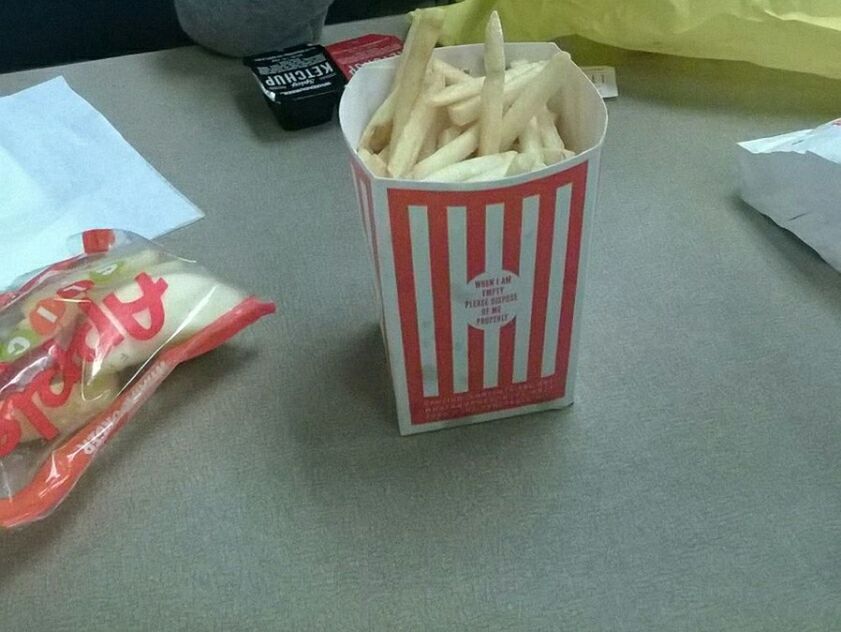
x=377 y=132
x=549 y=135
x=529 y=138
x=417 y=53
x=530 y=145
x=492 y=174
x=490 y=117
x=553 y=155
x=471 y=168
x=466 y=112
x=374 y=163
x=533 y=97
x=448 y=135
x=524 y=163
x=473 y=86
x=455 y=151
x=459 y=91
x=452 y=75
x=428 y=147
x=405 y=152
x=497 y=172
x=430 y=142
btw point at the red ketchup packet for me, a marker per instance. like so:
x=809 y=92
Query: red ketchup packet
x=84 y=344
x=351 y=54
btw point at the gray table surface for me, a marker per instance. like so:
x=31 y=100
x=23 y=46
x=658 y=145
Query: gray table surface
x=695 y=484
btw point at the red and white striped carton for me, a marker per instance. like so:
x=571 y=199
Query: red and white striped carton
x=481 y=283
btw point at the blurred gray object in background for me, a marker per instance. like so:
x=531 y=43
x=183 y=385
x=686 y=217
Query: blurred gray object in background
x=251 y=26
x=37 y=33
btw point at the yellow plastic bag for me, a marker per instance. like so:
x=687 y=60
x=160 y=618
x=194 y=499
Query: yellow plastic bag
x=801 y=35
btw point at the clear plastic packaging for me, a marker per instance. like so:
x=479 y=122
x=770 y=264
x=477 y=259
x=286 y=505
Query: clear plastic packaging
x=84 y=344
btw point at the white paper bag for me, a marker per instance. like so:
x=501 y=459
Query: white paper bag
x=795 y=179
x=64 y=170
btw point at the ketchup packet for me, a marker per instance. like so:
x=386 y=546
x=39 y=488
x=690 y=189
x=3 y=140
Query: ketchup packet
x=302 y=84
x=350 y=55
x=84 y=344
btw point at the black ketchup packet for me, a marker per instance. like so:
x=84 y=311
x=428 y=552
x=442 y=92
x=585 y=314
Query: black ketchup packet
x=302 y=84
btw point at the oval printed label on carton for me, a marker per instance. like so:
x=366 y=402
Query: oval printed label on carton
x=491 y=299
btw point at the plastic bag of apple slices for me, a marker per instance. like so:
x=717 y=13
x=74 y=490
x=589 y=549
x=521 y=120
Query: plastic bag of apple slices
x=84 y=344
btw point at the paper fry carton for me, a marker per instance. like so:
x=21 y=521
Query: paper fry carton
x=480 y=283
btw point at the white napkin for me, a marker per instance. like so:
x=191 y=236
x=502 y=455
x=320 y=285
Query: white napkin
x=795 y=179
x=63 y=170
